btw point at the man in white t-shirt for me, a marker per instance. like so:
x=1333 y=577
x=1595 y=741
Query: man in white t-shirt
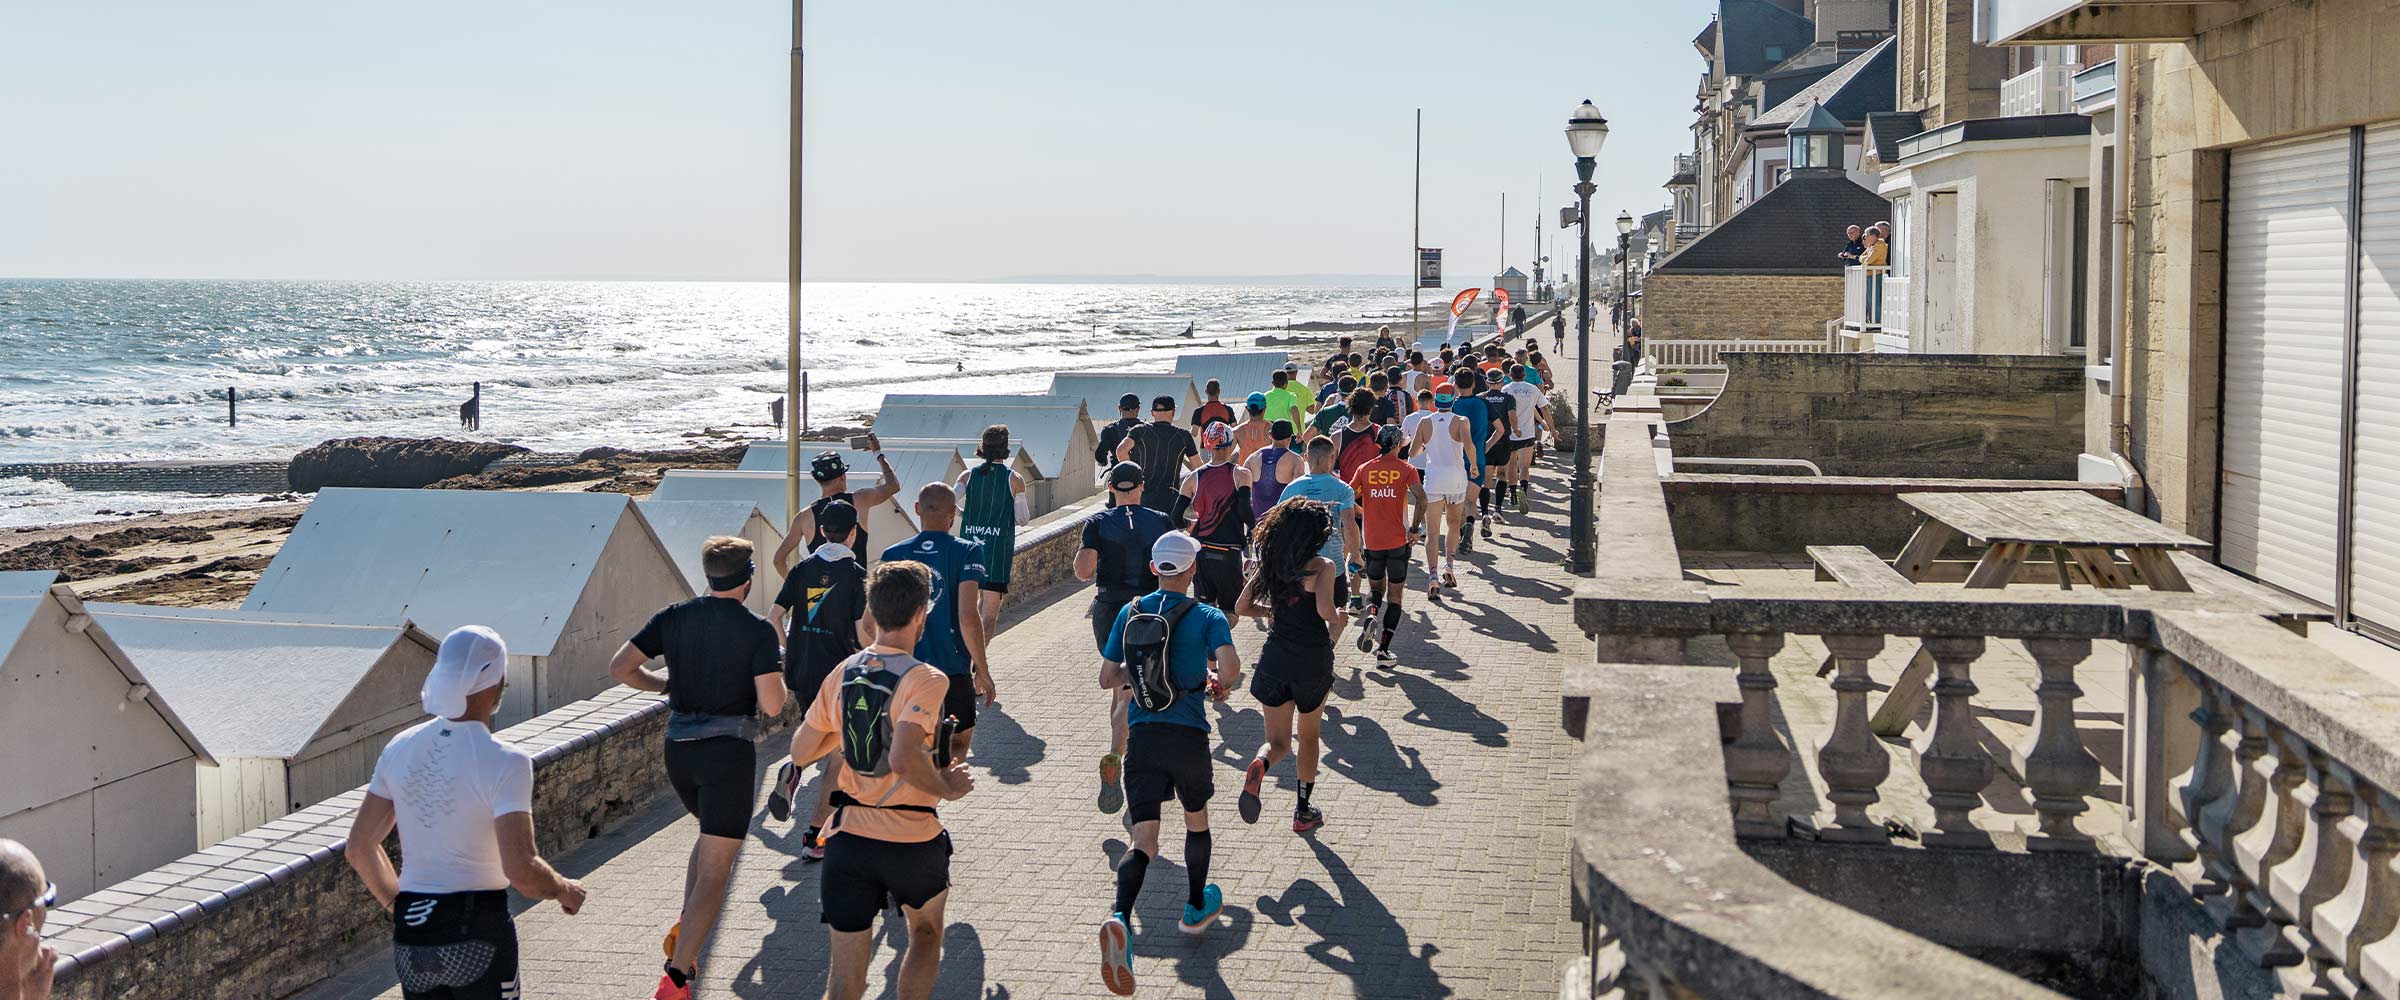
x=1532 y=417
x=463 y=804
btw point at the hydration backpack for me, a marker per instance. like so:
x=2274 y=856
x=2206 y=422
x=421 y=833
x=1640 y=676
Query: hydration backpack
x=1147 y=635
x=866 y=713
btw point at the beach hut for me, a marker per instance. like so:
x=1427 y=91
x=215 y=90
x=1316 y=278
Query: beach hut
x=683 y=525
x=1239 y=373
x=565 y=578
x=1053 y=436
x=100 y=772
x=292 y=709
x=1099 y=391
x=915 y=466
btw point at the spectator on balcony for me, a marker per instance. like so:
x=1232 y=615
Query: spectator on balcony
x=1853 y=249
x=1876 y=253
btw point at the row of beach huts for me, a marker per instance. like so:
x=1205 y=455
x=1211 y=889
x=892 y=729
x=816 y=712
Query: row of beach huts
x=138 y=734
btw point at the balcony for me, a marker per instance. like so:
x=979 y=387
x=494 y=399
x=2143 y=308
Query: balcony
x=2042 y=90
x=2095 y=86
x=2021 y=22
x=1862 y=299
x=1891 y=337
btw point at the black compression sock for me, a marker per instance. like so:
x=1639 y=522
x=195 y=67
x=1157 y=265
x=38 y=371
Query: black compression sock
x=1305 y=788
x=1195 y=862
x=1391 y=623
x=1129 y=879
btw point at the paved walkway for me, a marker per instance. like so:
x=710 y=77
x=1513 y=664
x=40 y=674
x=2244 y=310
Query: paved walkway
x=1440 y=871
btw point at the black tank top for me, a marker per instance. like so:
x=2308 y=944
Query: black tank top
x=1296 y=623
x=816 y=535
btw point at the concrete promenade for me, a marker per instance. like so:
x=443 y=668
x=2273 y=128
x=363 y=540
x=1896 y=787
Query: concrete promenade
x=1439 y=872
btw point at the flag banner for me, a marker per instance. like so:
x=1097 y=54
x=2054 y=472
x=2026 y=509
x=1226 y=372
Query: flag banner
x=1429 y=267
x=1500 y=307
x=1459 y=305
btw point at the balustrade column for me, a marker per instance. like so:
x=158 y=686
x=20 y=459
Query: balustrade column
x=2233 y=815
x=1953 y=764
x=1756 y=760
x=2357 y=925
x=2060 y=773
x=2205 y=791
x=2268 y=846
x=2320 y=868
x=1852 y=761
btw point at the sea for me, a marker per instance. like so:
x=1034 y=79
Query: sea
x=134 y=370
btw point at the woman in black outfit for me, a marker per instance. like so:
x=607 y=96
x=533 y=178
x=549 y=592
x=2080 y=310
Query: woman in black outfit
x=1294 y=590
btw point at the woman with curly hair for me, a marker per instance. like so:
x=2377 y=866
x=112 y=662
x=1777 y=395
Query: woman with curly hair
x=1293 y=590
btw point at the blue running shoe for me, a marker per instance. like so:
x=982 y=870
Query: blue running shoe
x=1116 y=955
x=1198 y=918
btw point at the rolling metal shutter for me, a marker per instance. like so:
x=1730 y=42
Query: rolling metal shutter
x=2287 y=265
x=2374 y=521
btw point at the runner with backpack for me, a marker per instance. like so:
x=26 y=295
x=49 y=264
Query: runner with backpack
x=1296 y=590
x=1115 y=558
x=824 y=598
x=1163 y=646
x=882 y=710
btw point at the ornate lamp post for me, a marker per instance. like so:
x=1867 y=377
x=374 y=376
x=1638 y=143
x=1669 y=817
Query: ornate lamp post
x=1624 y=276
x=1586 y=131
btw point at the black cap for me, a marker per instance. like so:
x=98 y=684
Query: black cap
x=1280 y=430
x=1125 y=475
x=836 y=519
x=1129 y=401
x=828 y=467
x=1162 y=403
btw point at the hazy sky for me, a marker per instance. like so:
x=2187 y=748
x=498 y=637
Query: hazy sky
x=606 y=138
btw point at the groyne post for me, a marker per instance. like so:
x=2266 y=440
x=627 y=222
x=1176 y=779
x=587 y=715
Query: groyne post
x=232 y=419
x=804 y=403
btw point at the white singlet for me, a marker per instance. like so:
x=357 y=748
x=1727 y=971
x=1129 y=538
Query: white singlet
x=448 y=781
x=1445 y=456
x=1408 y=438
x=1529 y=405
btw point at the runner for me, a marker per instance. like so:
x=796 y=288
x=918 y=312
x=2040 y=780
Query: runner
x=1354 y=442
x=1271 y=469
x=833 y=483
x=953 y=638
x=822 y=607
x=463 y=803
x=1443 y=443
x=723 y=670
x=1254 y=432
x=1212 y=408
x=1294 y=587
x=1469 y=403
x=885 y=843
x=1532 y=417
x=1282 y=403
x=1332 y=412
x=1384 y=487
x=1497 y=451
x=1408 y=429
x=994 y=499
x=1129 y=408
x=1164 y=451
x=1324 y=485
x=1115 y=557
x=1396 y=402
x=1218 y=498
x=1167 y=750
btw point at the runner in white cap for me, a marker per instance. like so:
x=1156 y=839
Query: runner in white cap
x=463 y=803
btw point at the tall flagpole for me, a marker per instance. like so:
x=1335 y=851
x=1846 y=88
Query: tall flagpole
x=793 y=358
x=1416 y=235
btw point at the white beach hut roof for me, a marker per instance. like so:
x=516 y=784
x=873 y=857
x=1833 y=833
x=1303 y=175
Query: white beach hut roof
x=1046 y=429
x=1099 y=390
x=1238 y=373
x=23 y=594
x=515 y=561
x=682 y=525
x=254 y=685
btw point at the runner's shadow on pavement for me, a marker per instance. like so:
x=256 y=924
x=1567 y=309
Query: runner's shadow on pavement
x=1436 y=708
x=1357 y=935
x=1484 y=619
x=1360 y=749
x=962 y=972
x=1240 y=731
x=1004 y=748
x=790 y=960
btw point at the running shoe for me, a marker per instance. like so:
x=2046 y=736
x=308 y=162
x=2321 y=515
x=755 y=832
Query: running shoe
x=787 y=785
x=1112 y=788
x=1251 y=779
x=1386 y=657
x=1197 y=918
x=1524 y=500
x=669 y=989
x=1450 y=576
x=1306 y=818
x=1466 y=540
x=1116 y=955
x=1366 y=638
x=813 y=850
x=1487 y=529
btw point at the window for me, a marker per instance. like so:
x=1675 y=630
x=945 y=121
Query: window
x=1899 y=241
x=2079 y=250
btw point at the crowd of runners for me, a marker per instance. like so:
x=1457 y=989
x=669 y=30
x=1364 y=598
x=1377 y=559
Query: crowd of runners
x=1308 y=508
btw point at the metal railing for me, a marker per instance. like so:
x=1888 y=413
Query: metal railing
x=1708 y=353
x=2042 y=90
x=1862 y=297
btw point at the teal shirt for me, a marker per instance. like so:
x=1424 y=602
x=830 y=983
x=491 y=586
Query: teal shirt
x=988 y=514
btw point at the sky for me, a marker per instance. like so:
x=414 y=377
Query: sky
x=944 y=141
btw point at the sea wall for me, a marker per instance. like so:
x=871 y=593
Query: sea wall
x=1972 y=416
x=270 y=912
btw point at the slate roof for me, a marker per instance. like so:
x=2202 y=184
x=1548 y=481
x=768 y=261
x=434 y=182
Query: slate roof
x=1793 y=229
x=1885 y=129
x=1863 y=86
x=1776 y=88
x=1747 y=29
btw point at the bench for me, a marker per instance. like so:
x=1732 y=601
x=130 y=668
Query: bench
x=1859 y=568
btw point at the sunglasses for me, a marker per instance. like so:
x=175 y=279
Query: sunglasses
x=47 y=899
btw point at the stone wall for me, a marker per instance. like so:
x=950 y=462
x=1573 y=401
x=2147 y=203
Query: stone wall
x=1971 y=416
x=1786 y=514
x=272 y=911
x=1738 y=306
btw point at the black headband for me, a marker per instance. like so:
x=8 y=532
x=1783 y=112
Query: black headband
x=737 y=579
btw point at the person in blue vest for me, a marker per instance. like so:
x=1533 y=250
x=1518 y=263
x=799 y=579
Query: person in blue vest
x=953 y=640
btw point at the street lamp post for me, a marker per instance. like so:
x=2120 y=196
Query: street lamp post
x=1624 y=279
x=1586 y=131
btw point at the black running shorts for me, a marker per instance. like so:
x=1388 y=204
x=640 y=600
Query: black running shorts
x=1219 y=580
x=961 y=701
x=454 y=946
x=862 y=875
x=1162 y=761
x=1498 y=453
x=1388 y=565
x=1299 y=676
x=717 y=779
x=1104 y=620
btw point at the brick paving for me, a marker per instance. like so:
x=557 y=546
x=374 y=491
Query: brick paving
x=1440 y=871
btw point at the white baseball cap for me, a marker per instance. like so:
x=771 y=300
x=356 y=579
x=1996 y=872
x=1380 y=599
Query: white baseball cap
x=472 y=659
x=1174 y=553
